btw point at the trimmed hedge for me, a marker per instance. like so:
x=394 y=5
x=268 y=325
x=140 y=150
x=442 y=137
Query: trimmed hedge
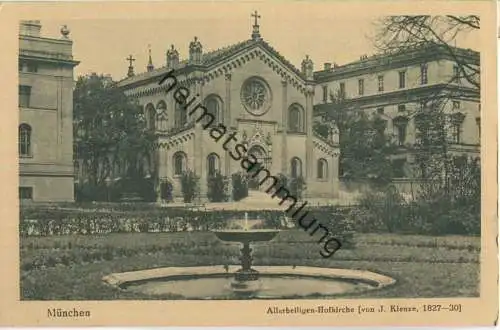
x=45 y=221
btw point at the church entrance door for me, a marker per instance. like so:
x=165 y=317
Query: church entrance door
x=264 y=161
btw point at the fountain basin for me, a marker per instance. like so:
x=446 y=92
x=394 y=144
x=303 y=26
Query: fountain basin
x=276 y=282
x=246 y=236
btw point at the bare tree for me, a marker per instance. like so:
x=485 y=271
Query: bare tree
x=400 y=33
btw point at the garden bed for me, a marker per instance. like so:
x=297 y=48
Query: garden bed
x=71 y=267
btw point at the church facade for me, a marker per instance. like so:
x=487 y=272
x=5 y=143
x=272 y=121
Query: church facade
x=262 y=100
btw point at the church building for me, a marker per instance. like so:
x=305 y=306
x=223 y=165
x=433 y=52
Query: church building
x=256 y=93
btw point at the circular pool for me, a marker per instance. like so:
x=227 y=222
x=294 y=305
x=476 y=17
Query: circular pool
x=275 y=282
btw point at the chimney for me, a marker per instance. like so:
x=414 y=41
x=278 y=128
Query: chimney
x=30 y=28
x=328 y=66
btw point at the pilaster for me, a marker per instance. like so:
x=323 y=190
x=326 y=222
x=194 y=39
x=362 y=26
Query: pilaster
x=284 y=147
x=228 y=123
x=309 y=127
x=227 y=102
x=157 y=154
x=199 y=157
x=334 y=174
x=171 y=105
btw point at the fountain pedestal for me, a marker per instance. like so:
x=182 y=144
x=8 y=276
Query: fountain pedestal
x=246 y=272
x=246 y=279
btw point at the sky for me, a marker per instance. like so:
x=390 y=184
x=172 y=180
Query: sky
x=102 y=45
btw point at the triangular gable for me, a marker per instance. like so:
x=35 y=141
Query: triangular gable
x=225 y=60
x=241 y=48
x=263 y=51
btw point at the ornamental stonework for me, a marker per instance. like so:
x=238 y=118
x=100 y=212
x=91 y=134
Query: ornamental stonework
x=256 y=96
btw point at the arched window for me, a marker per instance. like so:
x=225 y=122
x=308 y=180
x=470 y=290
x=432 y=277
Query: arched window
x=213 y=162
x=180 y=115
x=179 y=161
x=213 y=106
x=295 y=119
x=322 y=169
x=150 y=114
x=161 y=114
x=24 y=140
x=296 y=167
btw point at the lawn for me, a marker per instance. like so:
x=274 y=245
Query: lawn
x=71 y=267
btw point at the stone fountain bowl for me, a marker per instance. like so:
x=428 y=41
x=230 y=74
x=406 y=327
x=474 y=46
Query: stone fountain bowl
x=242 y=235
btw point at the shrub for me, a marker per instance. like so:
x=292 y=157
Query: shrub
x=144 y=188
x=297 y=186
x=339 y=224
x=189 y=185
x=281 y=182
x=240 y=186
x=431 y=213
x=217 y=187
x=166 y=190
x=384 y=211
x=139 y=186
x=88 y=192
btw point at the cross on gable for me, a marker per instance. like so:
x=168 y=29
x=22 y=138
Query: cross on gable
x=130 y=59
x=256 y=16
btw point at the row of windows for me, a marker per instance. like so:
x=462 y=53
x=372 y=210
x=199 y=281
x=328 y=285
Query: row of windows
x=380 y=83
x=321 y=168
x=454 y=135
x=400 y=166
x=399 y=123
x=213 y=105
x=456 y=105
x=400 y=126
x=213 y=165
x=401 y=81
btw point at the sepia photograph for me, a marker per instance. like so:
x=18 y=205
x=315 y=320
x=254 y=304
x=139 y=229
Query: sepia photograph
x=300 y=159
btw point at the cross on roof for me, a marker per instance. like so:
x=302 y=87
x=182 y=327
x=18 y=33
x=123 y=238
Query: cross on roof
x=256 y=16
x=130 y=59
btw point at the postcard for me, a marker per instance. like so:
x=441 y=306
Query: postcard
x=249 y=163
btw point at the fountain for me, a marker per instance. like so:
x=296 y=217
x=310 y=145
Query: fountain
x=246 y=279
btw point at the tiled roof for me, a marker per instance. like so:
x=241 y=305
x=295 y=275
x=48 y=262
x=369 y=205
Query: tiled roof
x=211 y=58
x=283 y=60
x=207 y=59
x=214 y=56
x=383 y=58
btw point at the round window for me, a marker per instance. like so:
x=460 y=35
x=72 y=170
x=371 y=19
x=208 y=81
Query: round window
x=255 y=96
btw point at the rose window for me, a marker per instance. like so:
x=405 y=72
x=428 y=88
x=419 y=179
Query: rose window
x=255 y=96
